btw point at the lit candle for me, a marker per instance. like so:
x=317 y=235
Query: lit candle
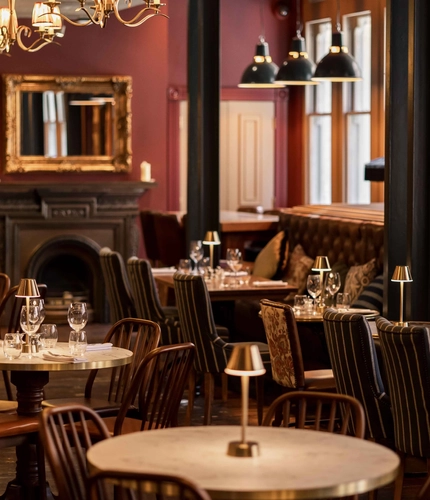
x=145 y=171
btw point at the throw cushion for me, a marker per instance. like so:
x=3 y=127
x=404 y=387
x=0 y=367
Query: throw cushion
x=342 y=269
x=372 y=296
x=298 y=267
x=267 y=261
x=359 y=277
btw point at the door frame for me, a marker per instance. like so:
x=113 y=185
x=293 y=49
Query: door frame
x=280 y=100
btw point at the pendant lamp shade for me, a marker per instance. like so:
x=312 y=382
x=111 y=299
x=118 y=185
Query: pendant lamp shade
x=338 y=65
x=297 y=69
x=261 y=73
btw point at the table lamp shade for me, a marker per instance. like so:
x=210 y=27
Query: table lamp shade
x=211 y=238
x=402 y=273
x=321 y=263
x=27 y=288
x=245 y=360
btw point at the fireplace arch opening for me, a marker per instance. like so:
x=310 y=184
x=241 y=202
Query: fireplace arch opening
x=70 y=267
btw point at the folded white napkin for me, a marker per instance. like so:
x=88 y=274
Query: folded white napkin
x=64 y=358
x=99 y=347
x=240 y=273
x=163 y=270
x=270 y=283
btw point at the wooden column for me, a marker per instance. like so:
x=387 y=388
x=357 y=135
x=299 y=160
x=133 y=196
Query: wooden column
x=407 y=180
x=203 y=118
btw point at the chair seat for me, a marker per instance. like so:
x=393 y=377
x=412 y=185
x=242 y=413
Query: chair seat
x=319 y=380
x=8 y=406
x=103 y=407
x=15 y=425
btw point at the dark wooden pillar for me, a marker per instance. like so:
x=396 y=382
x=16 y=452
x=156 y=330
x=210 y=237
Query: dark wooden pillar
x=203 y=118
x=407 y=180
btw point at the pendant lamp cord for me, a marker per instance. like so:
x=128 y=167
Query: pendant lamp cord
x=338 y=26
x=262 y=36
x=299 y=25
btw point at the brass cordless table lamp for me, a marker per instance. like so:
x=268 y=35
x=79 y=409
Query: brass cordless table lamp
x=402 y=275
x=27 y=289
x=211 y=238
x=322 y=265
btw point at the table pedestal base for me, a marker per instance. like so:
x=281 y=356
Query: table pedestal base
x=29 y=391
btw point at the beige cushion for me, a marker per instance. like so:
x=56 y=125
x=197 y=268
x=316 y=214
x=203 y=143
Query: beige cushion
x=267 y=261
x=298 y=267
x=359 y=277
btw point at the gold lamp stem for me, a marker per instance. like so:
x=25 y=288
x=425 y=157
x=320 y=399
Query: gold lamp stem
x=245 y=396
x=401 y=302
x=211 y=256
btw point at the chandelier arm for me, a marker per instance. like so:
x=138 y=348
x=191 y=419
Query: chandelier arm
x=133 y=23
x=36 y=45
x=73 y=23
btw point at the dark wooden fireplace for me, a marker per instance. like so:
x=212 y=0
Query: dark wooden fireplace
x=53 y=233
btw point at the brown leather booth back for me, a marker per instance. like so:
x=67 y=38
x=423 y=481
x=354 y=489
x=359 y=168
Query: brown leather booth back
x=350 y=241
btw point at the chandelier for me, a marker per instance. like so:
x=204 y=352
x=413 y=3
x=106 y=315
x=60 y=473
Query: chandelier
x=47 y=21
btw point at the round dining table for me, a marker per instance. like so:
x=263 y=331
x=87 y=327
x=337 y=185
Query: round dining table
x=293 y=463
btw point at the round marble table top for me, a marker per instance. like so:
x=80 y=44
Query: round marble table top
x=292 y=463
x=104 y=358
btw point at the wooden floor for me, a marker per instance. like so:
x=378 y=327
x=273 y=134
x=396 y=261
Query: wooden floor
x=62 y=385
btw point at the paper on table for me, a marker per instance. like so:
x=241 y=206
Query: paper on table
x=163 y=270
x=270 y=283
x=99 y=347
x=239 y=273
x=64 y=358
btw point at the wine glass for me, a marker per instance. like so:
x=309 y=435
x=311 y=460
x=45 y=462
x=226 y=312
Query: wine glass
x=40 y=303
x=332 y=283
x=30 y=320
x=234 y=261
x=196 y=252
x=77 y=316
x=313 y=284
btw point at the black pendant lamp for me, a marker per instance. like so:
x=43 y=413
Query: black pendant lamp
x=261 y=73
x=297 y=69
x=338 y=65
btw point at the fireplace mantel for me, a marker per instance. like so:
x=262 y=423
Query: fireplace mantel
x=31 y=214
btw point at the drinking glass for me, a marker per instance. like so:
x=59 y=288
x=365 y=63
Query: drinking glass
x=196 y=252
x=332 y=283
x=234 y=261
x=30 y=319
x=184 y=266
x=313 y=284
x=12 y=345
x=48 y=336
x=343 y=302
x=77 y=315
x=78 y=342
x=299 y=304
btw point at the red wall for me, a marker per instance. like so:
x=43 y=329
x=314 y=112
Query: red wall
x=155 y=55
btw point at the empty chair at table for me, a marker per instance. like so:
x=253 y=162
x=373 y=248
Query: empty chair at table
x=147 y=301
x=133 y=485
x=170 y=235
x=286 y=352
x=118 y=289
x=147 y=223
x=137 y=335
x=198 y=326
x=406 y=355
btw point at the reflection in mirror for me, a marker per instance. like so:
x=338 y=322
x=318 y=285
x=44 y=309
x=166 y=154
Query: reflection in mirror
x=68 y=123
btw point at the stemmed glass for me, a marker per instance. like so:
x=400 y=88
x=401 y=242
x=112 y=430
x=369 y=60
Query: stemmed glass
x=234 y=261
x=77 y=317
x=30 y=321
x=40 y=303
x=313 y=284
x=196 y=252
x=332 y=283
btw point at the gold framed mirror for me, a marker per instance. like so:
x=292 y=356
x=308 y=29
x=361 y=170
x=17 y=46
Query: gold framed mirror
x=67 y=123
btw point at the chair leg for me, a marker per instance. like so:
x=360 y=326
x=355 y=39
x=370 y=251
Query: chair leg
x=259 y=386
x=424 y=492
x=209 y=396
x=191 y=396
x=224 y=387
x=398 y=483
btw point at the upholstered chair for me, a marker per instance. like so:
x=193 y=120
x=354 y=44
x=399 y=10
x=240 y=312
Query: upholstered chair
x=147 y=301
x=198 y=327
x=356 y=370
x=118 y=290
x=286 y=352
x=406 y=355
x=147 y=223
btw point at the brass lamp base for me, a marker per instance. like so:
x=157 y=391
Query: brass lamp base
x=400 y=323
x=240 y=449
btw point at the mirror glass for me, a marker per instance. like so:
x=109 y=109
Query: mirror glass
x=68 y=123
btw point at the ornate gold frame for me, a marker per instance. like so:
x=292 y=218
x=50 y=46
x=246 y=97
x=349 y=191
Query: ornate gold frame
x=119 y=86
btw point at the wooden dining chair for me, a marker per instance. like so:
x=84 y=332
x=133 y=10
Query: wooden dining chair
x=286 y=352
x=158 y=387
x=406 y=355
x=120 y=299
x=212 y=352
x=319 y=411
x=137 y=335
x=64 y=432
x=135 y=486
